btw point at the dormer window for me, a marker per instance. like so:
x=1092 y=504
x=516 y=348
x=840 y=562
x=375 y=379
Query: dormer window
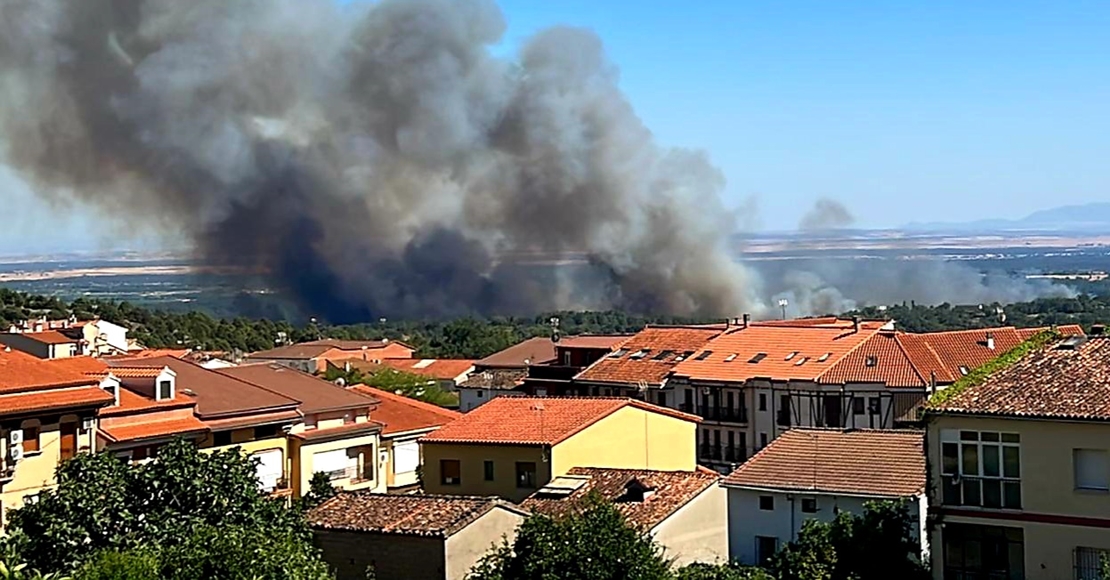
x=636 y=491
x=165 y=389
x=110 y=385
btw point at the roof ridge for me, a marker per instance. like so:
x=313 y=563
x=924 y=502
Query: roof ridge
x=846 y=353
x=408 y=400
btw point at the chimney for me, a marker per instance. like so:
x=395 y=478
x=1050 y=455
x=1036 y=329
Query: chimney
x=855 y=324
x=747 y=319
x=990 y=340
x=1098 y=329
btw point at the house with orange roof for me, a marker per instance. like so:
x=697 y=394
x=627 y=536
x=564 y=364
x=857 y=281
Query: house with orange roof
x=813 y=474
x=404 y=421
x=335 y=433
x=47 y=344
x=513 y=446
x=313 y=356
x=47 y=415
x=447 y=373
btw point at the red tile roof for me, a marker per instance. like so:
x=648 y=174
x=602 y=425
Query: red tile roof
x=53 y=399
x=880 y=359
x=499 y=379
x=314 y=394
x=669 y=492
x=534 y=351
x=536 y=420
x=131 y=403
x=1059 y=382
x=156 y=352
x=439 y=369
x=80 y=364
x=155 y=429
x=594 y=341
x=315 y=348
x=884 y=463
x=788 y=352
x=649 y=355
x=960 y=348
x=49 y=337
x=410 y=515
x=20 y=371
x=253 y=420
x=338 y=432
x=400 y=414
x=1062 y=330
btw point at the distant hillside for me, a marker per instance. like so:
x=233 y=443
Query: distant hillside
x=1086 y=217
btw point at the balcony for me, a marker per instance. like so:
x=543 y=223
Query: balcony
x=734 y=455
x=782 y=418
x=983 y=492
x=725 y=414
x=687 y=408
x=710 y=452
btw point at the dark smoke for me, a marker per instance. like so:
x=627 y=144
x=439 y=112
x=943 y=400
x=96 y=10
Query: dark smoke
x=375 y=160
x=826 y=214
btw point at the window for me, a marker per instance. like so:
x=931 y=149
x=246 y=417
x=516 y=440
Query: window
x=566 y=358
x=857 y=405
x=974 y=551
x=871 y=360
x=809 y=505
x=1092 y=470
x=487 y=470
x=661 y=399
x=221 y=438
x=765 y=548
x=763 y=401
x=767 y=503
x=662 y=355
x=406 y=457
x=481 y=393
x=874 y=405
x=791 y=355
x=526 y=474
x=758 y=357
x=165 y=390
x=450 y=473
x=762 y=440
x=783 y=414
x=31 y=437
x=269 y=470
x=337 y=464
x=704 y=355
x=981 y=469
x=68 y=444
x=265 y=431
x=1089 y=563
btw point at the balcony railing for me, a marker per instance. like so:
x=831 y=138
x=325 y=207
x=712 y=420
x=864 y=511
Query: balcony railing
x=734 y=455
x=686 y=408
x=710 y=452
x=985 y=492
x=734 y=415
x=782 y=418
x=350 y=472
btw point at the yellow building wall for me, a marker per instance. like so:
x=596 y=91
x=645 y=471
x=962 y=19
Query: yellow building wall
x=630 y=438
x=304 y=470
x=472 y=460
x=36 y=471
x=1047 y=488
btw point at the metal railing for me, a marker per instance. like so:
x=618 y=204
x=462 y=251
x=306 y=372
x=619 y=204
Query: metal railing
x=735 y=415
x=985 y=492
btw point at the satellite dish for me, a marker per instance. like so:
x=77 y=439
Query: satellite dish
x=341 y=381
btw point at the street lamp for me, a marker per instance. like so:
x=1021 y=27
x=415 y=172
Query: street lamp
x=783 y=303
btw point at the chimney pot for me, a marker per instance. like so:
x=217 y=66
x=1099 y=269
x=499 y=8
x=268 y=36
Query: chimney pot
x=855 y=323
x=747 y=319
x=990 y=340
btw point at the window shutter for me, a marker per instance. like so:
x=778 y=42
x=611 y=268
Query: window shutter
x=1092 y=469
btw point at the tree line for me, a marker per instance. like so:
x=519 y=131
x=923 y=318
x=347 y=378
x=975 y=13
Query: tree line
x=480 y=337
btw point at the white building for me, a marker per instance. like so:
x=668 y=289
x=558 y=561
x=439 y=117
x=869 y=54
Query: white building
x=809 y=474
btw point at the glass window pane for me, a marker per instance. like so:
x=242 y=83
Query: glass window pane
x=1011 y=495
x=992 y=493
x=991 y=468
x=951 y=491
x=950 y=453
x=970 y=463
x=1011 y=438
x=989 y=436
x=971 y=492
x=1011 y=462
x=969 y=435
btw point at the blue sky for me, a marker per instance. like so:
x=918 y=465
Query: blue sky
x=904 y=111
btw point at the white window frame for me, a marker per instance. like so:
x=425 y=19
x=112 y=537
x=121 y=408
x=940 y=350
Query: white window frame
x=954 y=436
x=1105 y=487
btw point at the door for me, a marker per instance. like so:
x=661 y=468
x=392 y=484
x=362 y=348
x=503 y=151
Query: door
x=69 y=439
x=832 y=411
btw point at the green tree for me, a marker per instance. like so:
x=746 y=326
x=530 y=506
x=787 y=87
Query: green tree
x=320 y=489
x=409 y=385
x=701 y=571
x=595 y=543
x=135 y=564
x=189 y=510
x=874 y=545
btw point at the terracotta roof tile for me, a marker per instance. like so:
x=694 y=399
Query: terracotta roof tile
x=1054 y=382
x=400 y=414
x=316 y=348
x=886 y=463
x=880 y=359
x=52 y=399
x=771 y=351
x=536 y=420
x=217 y=394
x=534 y=351
x=338 y=432
x=594 y=341
x=155 y=429
x=314 y=394
x=501 y=379
x=439 y=369
x=20 y=371
x=957 y=350
x=669 y=491
x=253 y=420
x=80 y=364
x=649 y=355
x=412 y=515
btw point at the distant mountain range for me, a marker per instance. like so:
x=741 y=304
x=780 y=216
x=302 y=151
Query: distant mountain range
x=1077 y=218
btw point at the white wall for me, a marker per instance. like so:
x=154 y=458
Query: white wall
x=698 y=531
x=746 y=520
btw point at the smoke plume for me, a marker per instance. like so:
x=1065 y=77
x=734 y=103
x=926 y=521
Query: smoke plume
x=826 y=214
x=374 y=159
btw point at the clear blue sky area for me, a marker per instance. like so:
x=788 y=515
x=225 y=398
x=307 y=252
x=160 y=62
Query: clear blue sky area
x=902 y=110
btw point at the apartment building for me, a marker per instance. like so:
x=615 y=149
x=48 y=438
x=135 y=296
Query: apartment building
x=47 y=415
x=1020 y=468
x=334 y=433
x=512 y=446
x=813 y=474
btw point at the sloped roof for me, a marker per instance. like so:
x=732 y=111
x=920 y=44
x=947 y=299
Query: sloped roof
x=1054 y=382
x=130 y=402
x=501 y=379
x=594 y=341
x=954 y=349
x=400 y=414
x=20 y=371
x=409 y=515
x=45 y=337
x=536 y=420
x=868 y=462
x=440 y=369
x=649 y=355
x=314 y=394
x=217 y=394
x=182 y=426
x=669 y=492
x=1062 y=330
x=879 y=359
x=315 y=348
x=53 y=399
x=539 y=350
x=774 y=351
